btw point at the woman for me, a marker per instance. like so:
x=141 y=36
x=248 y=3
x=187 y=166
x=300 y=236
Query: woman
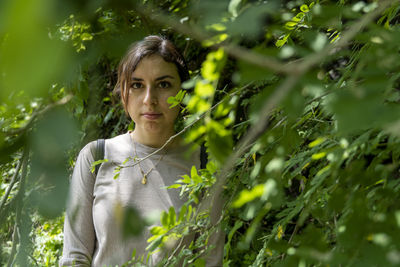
x=151 y=71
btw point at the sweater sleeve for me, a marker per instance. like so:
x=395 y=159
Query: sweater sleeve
x=79 y=234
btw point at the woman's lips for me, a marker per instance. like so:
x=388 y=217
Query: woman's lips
x=151 y=116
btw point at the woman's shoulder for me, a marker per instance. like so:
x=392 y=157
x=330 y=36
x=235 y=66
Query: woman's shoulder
x=122 y=139
x=114 y=145
x=118 y=147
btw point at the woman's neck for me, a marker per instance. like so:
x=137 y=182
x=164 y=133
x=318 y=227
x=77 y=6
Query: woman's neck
x=155 y=141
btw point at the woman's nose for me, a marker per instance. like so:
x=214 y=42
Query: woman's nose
x=150 y=97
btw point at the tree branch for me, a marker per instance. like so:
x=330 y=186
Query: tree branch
x=38 y=113
x=20 y=198
x=259 y=127
x=15 y=240
x=257 y=59
x=279 y=94
x=12 y=183
x=295 y=70
x=347 y=36
x=198 y=34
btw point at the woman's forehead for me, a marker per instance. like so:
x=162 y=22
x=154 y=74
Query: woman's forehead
x=154 y=66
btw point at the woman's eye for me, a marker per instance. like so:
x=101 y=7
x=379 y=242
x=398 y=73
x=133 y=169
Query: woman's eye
x=136 y=85
x=164 y=84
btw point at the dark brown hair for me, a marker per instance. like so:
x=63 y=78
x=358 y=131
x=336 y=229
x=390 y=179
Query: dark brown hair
x=150 y=45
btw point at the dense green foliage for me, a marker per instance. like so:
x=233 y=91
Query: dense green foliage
x=297 y=102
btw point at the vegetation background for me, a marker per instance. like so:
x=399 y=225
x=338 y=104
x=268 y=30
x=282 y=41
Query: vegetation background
x=297 y=103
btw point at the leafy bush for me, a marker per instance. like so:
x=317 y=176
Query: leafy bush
x=297 y=103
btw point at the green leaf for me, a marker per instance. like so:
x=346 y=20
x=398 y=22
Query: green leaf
x=97 y=162
x=182 y=213
x=133 y=253
x=172 y=217
x=86 y=36
x=199 y=263
x=281 y=42
x=195 y=176
x=198 y=105
x=211 y=168
x=362 y=108
x=186 y=179
x=193 y=171
x=216 y=39
x=204 y=89
x=165 y=219
x=319 y=155
x=304 y=8
x=157 y=230
x=250 y=23
x=249 y=195
x=174 y=186
x=126 y=160
x=211 y=67
x=219 y=140
x=317 y=142
x=290 y=25
x=176 y=100
x=155 y=243
x=263 y=191
x=189 y=213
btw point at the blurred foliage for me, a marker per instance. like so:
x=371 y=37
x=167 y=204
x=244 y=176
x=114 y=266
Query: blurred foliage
x=318 y=186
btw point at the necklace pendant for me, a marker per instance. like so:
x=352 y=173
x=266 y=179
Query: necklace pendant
x=144 y=179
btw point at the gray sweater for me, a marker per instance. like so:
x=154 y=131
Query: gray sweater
x=92 y=231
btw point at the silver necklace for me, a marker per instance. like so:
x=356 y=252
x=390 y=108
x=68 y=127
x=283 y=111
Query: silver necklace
x=145 y=174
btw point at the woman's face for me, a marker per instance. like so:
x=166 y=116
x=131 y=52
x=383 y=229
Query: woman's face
x=153 y=81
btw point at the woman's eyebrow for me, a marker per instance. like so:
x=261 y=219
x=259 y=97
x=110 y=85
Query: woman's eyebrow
x=157 y=79
x=164 y=76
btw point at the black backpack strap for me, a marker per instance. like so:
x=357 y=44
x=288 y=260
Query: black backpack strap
x=99 y=155
x=203 y=157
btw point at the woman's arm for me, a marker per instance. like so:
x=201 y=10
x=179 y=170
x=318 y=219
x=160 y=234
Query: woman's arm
x=79 y=234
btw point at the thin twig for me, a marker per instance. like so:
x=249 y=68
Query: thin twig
x=319 y=97
x=18 y=220
x=11 y=185
x=34 y=260
x=175 y=250
x=296 y=228
x=15 y=240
